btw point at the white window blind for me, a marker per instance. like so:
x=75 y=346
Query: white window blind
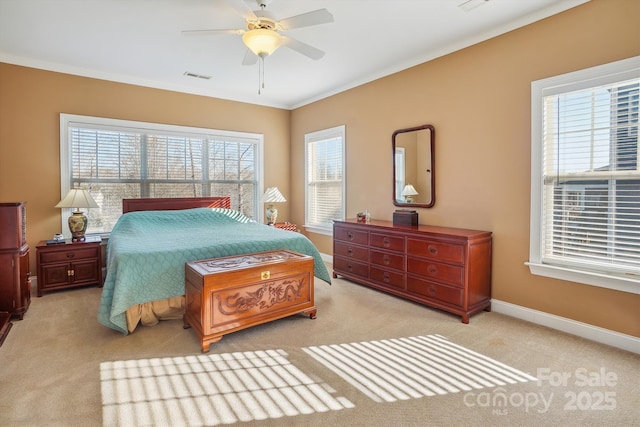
x=118 y=159
x=589 y=217
x=324 y=179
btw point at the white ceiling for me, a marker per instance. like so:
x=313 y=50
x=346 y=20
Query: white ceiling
x=140 y=41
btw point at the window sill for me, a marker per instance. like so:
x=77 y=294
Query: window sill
x=618 y=283
x=319 y=230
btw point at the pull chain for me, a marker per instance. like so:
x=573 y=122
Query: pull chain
x=260 y=74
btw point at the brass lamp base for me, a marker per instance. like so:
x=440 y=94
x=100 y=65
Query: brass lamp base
x=77 y=226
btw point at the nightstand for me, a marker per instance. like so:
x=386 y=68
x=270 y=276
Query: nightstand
x=69 y=264
x=286 y=226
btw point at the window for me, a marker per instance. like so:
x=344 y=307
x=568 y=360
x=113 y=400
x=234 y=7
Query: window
x=585 y=184
x=399 y=158
x=118 y=159
x=324 y=179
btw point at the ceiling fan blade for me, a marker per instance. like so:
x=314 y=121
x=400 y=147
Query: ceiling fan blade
x=210 y=32
x=250 y=58
x=243 y=9
x=302 y=48
x=320 y=16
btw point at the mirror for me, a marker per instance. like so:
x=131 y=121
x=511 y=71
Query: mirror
x=413 y=167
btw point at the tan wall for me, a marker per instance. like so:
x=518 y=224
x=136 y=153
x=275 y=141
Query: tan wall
x=31 y=101
x=478 y=99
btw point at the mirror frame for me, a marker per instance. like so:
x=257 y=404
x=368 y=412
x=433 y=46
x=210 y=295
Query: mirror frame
x=432 y=134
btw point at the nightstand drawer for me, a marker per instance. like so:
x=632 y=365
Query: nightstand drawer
x=70 y=255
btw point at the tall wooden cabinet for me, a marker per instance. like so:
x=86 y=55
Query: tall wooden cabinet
x=442 y=267
x=15 y=283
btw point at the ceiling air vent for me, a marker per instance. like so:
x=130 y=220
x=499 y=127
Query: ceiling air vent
x=196 y=75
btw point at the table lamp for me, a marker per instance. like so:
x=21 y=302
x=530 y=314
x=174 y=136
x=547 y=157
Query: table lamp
x=77 y=198
x=408 y=192
x=271 y=196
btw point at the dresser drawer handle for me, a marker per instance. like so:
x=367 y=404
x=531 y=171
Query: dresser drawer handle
x=350 y=251
x=349 y=267
x=70 y=255
x=386 y=242
x=432 y=250
x=350 y=235
x=386 y=259
x=432 y=290
x=432 y=269
x=386 y=277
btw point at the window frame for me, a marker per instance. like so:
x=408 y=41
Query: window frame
x=313 y=137
x=592 y=77
x=67 y=120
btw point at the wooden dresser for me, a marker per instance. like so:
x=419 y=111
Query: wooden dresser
x=442 y=267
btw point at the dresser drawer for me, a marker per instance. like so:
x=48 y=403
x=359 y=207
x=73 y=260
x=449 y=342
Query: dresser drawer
x=387 y=277
x=447 y=294
x=386 y=259
x=353 y=236
x=451 y=274
x=351 y=251
x=70 y=255
x=394 y=243
x=351 y=267
x=436 y=250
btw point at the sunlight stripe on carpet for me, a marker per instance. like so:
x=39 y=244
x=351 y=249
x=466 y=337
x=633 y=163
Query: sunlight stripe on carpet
x=414 y=367
x=210 y=390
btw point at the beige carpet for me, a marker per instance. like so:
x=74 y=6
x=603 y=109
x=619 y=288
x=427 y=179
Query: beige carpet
x=209 y=390
x=369 y=359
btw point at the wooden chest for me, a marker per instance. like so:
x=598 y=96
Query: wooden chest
x=227 y=294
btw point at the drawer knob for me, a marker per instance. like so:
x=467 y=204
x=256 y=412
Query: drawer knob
x=350 y=235
x=432 y=250
x=349 y=267
x=386 y=259
x=386 y=277
x=431 y=289
x=70 y=255
x=350 y=250
x=386 y=242
x=432 y=269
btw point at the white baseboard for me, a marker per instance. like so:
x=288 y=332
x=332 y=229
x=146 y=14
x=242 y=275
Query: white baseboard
x=327 y=258
x=584 y=330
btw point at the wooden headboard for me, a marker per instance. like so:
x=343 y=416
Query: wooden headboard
x=163 y=204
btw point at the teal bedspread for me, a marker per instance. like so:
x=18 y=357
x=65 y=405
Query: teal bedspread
x=147 y=252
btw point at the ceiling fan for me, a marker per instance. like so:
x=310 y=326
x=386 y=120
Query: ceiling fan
x=264 y=33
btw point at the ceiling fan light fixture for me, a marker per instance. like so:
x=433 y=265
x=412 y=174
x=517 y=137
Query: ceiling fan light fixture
x=262 y=42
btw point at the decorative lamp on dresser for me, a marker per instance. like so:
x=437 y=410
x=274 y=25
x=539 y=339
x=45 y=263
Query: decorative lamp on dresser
x=441 y=267
x=15 y=284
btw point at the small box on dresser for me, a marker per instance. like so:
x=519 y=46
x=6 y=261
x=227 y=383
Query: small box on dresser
x=441 y=267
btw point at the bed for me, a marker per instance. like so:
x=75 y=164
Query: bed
x=154 y=238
